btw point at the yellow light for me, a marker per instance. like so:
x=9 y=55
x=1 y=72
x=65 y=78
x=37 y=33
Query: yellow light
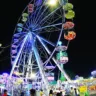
x=52 y=2
x=0 y=45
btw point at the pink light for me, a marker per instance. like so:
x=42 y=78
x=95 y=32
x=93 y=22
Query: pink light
x=50 y=78
x=14 y=46
x=14 y=51
x=30 y=8
x=63 y=60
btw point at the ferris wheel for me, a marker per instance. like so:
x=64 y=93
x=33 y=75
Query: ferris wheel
x=36 y=37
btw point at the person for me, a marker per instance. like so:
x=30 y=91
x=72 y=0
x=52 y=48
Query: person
x=41 y=92
x=5 y=93
x=32 y=92
x=22 y=94
x=63 y=92
x=76 y=92
x=51 y=93
x=72 y=91
x=59 y=92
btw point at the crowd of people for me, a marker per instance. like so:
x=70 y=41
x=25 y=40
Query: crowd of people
x=57 y=92
x=60 y=92
x=52 y=92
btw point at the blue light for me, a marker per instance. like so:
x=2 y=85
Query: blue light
x=59 y=43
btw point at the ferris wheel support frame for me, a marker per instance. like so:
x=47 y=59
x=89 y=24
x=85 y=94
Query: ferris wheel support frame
x=29 y=65
x=49 y=52
x=18 y=55
x=39 y=62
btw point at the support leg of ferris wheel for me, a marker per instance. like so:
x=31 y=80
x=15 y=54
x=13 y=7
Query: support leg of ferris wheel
x=24 y=66
x=49 y=52
x=39 y=62
x=29 y=66
x=18 y=55
x=62 y=70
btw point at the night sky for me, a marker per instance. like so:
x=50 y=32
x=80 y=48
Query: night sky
x=81 y=51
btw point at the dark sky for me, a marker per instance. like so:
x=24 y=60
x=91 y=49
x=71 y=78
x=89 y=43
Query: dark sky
x=82 y=50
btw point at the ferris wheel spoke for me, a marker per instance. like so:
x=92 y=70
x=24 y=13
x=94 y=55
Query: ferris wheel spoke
x=35 y=68
x=43 y=53
x=26 y=24
x=48 y=42
x=19 y=44
x=38 y=12
x=46 y=17
x=29 y=20
x=34 y=61
x=28 y=15
x=19 y=40
x=41 y=15
x=49 y=52
x=49 y=23
x=19 y=61
x=39 y=62
x=18 y=55
x=48 y=26
x=27 y=29
x=50 y=31
x=42 y=43
x=33 y=15
x=45 y=40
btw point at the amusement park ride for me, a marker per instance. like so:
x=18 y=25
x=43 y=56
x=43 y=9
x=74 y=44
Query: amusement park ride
x=37 y=44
